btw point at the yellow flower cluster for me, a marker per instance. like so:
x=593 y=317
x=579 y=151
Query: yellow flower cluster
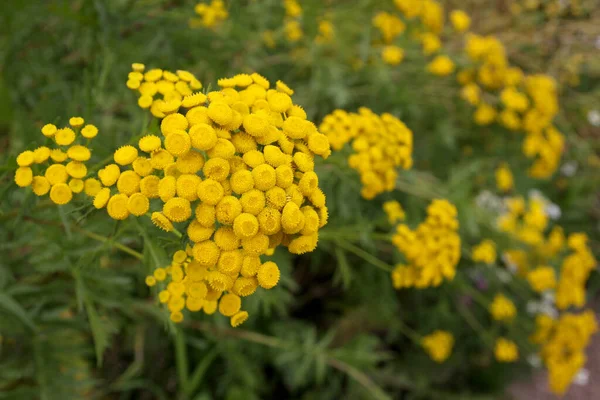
x=438 y=345
x=381 y=144
x=527 y=103
x=326 y=32
x=292 y=26
x=155 y=82
x=502 y=308
x=574 y=273
x=389 y=25
x=209 y=15
x=506 y=350
x=504 y=178
x=239 y=164
x=526 y=223
x=60 y=170
x=563 y=342
x=394 y=211
x=485 y=252
x=432 y=249
x=195 y=287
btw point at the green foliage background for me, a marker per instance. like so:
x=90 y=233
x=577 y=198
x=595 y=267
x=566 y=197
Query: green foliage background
x=76 y=319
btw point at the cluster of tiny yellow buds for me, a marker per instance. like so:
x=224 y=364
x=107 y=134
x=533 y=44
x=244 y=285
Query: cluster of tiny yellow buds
x=381 y=144
x=432 y=249
x=394 y=211
x=575 y=270
x=542 y=278
x=154 y=83
x=188 y=284
x=392 y=55
x=60 y=169
x=441 y=66
x=505 y=350
x=504 y=178
x=526 y=224
x=460 y=20
x=563 y=342
x=292 y=24
x=484 y=252
x=326 y=32
x=209 y=15
x=389 y=25
x=438 y=345
x=502 y=308
x=236 y=166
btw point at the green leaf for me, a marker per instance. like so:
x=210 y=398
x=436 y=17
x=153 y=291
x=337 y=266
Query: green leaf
x=11 y=305
x=101 y=331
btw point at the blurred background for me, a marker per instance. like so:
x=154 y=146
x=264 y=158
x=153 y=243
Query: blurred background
x=77 y=320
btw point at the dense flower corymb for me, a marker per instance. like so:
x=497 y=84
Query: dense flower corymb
x=236 y=166
x=381 y=144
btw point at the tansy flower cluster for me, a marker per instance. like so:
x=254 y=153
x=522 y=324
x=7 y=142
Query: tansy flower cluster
x=60 y=169
x=502 y=308
x=575 y=270
x=236 y=166
x=209 y=15
x=156 y=82
x=381 y=144
x=504 y=178
x=562 y=344
x=506 y=350
x=394 y=211
x=438 y=345
x=526 y=222
x=484 y=252
x=188 y=285
x=292 y=26
x=432 y=250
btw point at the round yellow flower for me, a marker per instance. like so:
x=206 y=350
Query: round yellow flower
x=49 y=130
x=253 y=201
x=79 y=153
x=25 y=159
x=76 y=122
x=172 y=123
x=199 y=233
x=230 y=304
x=227 y=210
x=56 y=173
x=61 y=193
x=269 y=220
x=101 y=198
x=220 y=113
x=226 y=239
x=76 y=169
x=40 y=185
x=278 y=101
x=264 y=177
x=255 y=125
x=89 y=131
x=24 y=176
x=64 y=137
x=117 y=207
x=177 y=209
x=203 y=136
x=210 y=191
x=206 y=253
x=238 y=319
x=205 y=215
x=125 y=155
x=178 y=142
x=138 y=204
x=92 y=186
x=268 y=275
x=245 y=225
x=58 y=155
x=256 y=245
x=149 y=143
x=76 y=185
x=242 y=181
x=160 y=159
x=161 y=221
x=149 y=186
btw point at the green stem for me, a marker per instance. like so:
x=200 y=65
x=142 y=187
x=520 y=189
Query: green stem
x=409 y=332
x=198 y=374
x=371 y=259
x=327 y=234
x=181 y=361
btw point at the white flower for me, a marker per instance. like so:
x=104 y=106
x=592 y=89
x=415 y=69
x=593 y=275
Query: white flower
x=582 y=377
x=594 y=118
x=534 y=360
x=553 y=211
x=503 y=275
x=569 y=168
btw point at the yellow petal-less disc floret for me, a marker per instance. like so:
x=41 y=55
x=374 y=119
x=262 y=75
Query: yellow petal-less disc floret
x=125 y=155
x=61 y=193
